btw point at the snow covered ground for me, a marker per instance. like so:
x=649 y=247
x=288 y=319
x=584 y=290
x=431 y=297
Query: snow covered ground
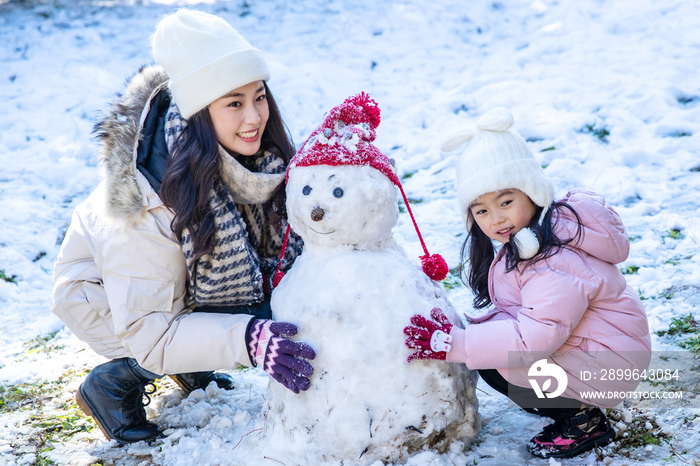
x=606 y=92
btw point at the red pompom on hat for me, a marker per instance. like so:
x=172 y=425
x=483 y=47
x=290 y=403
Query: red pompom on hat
x=345 y=138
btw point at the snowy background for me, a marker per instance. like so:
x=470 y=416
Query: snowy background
x=607 y=93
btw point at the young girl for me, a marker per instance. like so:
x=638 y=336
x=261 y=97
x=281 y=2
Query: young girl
x=559 y=307
x=166 y=266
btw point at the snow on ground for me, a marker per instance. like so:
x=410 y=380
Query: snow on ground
x=607 y=94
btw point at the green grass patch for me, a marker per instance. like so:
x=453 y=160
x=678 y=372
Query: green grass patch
x=629 y=270
x=677 y=260
x=49 y=424
x=56 y=429
x=9 y=279
x=548 y=149
x=634 y=238
x=14 y=397
x=679 y=134
x=414 y=201
x=691 y=344
x=42 y=344
x=407 y=176
x=668 y=293
x=684 y=325
x=674 y=234
x=65 y=425
x=600 y=133
x=402 y=208
x=686 y=99
x=635 y=436
x=35 y=394
x=453 y=279
x=681 y=325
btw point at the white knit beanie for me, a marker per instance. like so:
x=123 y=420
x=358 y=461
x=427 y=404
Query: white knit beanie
x=498 y=159
x=205 y=58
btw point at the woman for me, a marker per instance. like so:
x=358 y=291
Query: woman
x=166 y=267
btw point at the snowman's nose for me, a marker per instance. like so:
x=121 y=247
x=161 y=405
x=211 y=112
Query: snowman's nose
x=317 y=214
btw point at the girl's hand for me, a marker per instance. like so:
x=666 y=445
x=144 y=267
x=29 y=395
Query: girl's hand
x=431 y=339
x=285 y=360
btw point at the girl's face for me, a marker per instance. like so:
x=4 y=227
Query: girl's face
x=240 y=117
x=501 y=214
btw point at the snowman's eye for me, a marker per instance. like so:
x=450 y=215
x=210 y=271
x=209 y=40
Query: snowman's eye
x=307 y=190
x=338 y=192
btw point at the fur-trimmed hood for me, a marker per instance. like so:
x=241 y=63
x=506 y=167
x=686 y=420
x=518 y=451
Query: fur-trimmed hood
x=118 y=135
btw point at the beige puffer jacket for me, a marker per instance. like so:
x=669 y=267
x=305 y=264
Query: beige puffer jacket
x=121 y=277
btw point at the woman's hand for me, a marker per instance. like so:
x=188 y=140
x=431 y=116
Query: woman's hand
x=431 y=339
x=285 y=360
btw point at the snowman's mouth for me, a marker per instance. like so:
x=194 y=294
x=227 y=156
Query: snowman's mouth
x=320 y=233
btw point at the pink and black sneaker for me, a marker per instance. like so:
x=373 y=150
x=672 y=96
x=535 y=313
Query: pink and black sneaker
x=572 y=436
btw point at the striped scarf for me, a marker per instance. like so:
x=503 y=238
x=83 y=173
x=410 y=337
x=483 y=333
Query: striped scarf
x=246 y=244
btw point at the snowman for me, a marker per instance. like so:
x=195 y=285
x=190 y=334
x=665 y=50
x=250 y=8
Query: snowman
x=350 y=294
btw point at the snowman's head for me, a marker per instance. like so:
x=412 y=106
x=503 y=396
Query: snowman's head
x=342 y=191
x=344 y=205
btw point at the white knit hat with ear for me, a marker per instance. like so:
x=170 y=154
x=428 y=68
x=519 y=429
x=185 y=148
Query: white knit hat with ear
x=205 y=58
x=498 y=159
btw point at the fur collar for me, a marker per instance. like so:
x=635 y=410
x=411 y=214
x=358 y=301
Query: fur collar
x=118 y=134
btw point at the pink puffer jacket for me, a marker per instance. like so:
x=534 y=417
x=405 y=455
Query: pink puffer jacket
x=575 y=309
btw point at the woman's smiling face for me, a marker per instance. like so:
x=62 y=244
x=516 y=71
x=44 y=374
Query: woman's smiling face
x=240 y=117
x=501 y=214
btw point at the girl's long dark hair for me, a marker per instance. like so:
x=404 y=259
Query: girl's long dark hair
x=193 y=170
x=479 y=251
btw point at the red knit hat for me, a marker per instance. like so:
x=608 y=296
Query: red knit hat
x=345 y=138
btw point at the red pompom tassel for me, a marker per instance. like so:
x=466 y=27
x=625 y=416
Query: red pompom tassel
x=435 y=267
x=277 y=279
x=370 y=107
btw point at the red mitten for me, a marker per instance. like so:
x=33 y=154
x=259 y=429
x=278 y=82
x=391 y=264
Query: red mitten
x=431 y=339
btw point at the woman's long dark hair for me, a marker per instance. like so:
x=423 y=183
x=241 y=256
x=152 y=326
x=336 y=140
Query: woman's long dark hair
x=479 y=251
x=193 y=170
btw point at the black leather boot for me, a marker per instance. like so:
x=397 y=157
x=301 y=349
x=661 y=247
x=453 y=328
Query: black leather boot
x=191 y=381
x=113 y=395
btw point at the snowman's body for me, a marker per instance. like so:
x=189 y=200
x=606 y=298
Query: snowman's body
x=351 y=293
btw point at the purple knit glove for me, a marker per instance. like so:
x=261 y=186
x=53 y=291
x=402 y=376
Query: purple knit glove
x=285 y=360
